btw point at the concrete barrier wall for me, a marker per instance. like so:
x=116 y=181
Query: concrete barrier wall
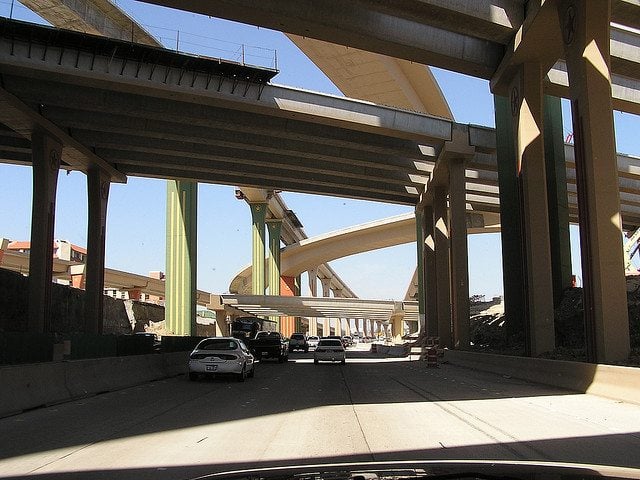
x=618 y=383
x=23 y=387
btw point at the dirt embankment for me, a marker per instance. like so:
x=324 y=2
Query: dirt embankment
x=491 y=332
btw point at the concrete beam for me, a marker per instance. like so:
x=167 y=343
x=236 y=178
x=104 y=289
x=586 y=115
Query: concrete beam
x=22 y=119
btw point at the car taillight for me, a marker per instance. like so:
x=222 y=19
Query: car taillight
x=226 y=356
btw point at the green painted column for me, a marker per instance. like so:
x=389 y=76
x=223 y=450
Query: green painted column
x=510 y=219
x=274 y=226
x=557 y=197
x=98 y=184
x=46 y=155
x=420 y=262
x=258 y=215
x=181 y=251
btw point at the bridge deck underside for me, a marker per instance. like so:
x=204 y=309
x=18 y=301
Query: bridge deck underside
x=161 y=118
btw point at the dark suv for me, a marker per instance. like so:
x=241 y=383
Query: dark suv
x=298 y=342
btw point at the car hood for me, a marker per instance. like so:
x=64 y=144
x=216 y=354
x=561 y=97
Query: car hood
x=433 y=470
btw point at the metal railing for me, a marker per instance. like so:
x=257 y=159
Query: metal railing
x=174 y=39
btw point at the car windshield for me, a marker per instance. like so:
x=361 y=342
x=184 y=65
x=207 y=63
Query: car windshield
x=218 y=344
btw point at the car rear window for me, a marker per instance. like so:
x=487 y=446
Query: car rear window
x=297 y=336
x=330 y=343
x=217 y=344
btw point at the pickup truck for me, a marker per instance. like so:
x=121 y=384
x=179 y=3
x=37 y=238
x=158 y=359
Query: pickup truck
x=269 y=345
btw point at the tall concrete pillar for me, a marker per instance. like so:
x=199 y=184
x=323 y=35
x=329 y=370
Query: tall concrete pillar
x=326 y=291
x=222 y=327
x=587 y=51
x=526 y=108
x=46 y=155
x=275 y=227
x=298 y=292
x=181 y=252
x=4 y=243
x=430 y=276
x=337 y=293
x=511 y=235
x=443 y=277
x=258 y=215
x=98 y=184
x=558 y=201
x=397 y=328
x=459 y=253
x=419 y=213
x=313 y=288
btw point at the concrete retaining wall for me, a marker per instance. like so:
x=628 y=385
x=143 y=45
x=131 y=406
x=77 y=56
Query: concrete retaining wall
x=23 y=387
x=618 y=383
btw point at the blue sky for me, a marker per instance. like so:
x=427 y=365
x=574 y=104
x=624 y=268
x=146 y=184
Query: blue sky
x=136 y=215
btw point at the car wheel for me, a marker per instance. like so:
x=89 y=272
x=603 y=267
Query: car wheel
x=242 y=375
x=280 y=359
x=193 y=376
x=316 y=362
x=252 y=373
x=343 y=361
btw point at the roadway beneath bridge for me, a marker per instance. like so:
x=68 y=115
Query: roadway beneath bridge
x=301 y=413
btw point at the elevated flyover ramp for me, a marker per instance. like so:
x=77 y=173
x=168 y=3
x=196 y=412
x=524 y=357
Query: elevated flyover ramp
x=320 y=307
x=151 y=112
x=157 y=113
x=306 y=254
x=466 y=37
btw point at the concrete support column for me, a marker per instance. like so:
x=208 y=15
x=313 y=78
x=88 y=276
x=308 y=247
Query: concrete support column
x=326 y=291
x=397 y=328
x=430 y=276
x=274 y=227
x=222 y=327
x=510 y=219
x=526 y=108
x=98 y=185
x=4 y=243
x=46 y=155
x=338 y=327
x=181 y=251
x=258 y=215
x=443 y=279
x=313 y=288
x=419 y=213
x=459 y=253
x=587 y=51
x=558 y=201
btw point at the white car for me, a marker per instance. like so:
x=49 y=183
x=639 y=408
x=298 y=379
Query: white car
x=312 y=341
x=219 y=356
x=330 y=350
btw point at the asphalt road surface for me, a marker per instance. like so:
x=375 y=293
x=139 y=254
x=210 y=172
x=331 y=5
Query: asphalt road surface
x=371 y=409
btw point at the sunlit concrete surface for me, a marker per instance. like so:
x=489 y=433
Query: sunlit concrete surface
x=370 y=409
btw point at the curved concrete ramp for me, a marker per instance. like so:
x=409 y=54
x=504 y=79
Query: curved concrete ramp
x=307 y=254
